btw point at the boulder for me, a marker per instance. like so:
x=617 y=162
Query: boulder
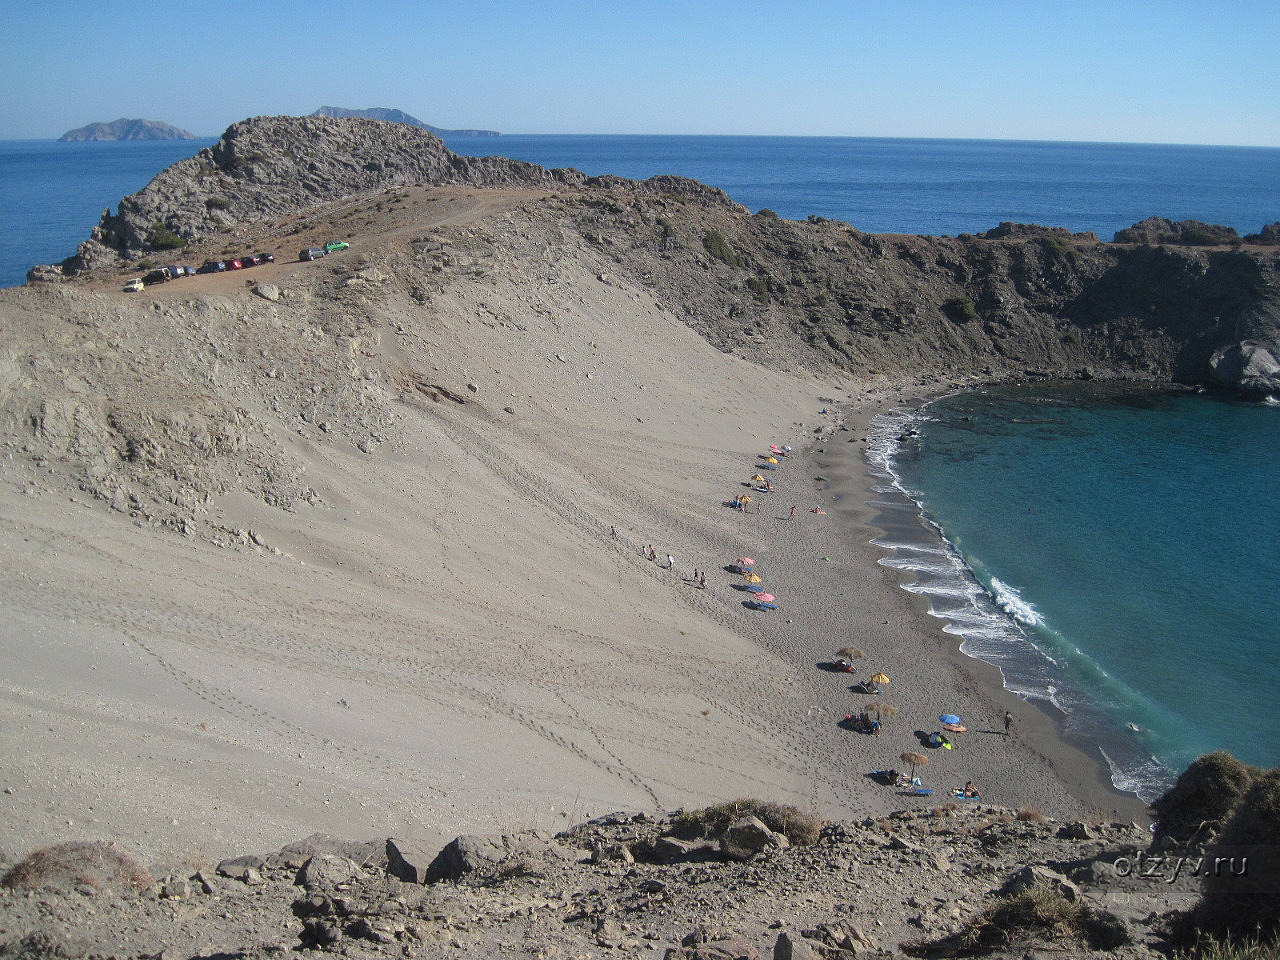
x=607 y=852
x=1251 y=366
x=326 y=871
x=748 y=837
x=294 y=855
x=469 y=853
x=1031 y=876
x=713 y=943
x=242 y=868
x=790 y=947
x=407 y=860
x=45 y=273
x=267 y=291
x=1075 y=831
x=675 y=850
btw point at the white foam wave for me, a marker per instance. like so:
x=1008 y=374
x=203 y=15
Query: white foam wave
x=1009 y=600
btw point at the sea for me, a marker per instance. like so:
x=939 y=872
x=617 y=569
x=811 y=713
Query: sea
x=1112 y=551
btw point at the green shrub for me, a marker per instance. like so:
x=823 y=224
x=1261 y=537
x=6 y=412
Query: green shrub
x=160 y=237
x=759 y=288
x=1209 y=789
x=216 y=203
x=960 y=309
x=719 y=248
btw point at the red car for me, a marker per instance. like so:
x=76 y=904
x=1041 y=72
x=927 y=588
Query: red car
x=234 y=265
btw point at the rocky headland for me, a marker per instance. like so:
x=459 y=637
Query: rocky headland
x=354 y=546
x=125 y=129
x=391 y=115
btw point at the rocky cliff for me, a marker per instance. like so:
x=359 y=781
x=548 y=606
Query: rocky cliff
x=1018 y=299
x=124 y=129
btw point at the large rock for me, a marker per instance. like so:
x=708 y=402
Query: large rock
x=748 y=837
x=1251 y=366
x=1036 y=875
x=407 y=860
x=470 y=853
x=326 y=872
x=713 y=943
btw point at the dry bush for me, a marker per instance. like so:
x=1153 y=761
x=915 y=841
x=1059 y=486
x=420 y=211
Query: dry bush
x=1246 y=903
x=1250 y=948
x=1209 y=789
x=94 y=863
x=1041 y=912
x=1031 y=815
x=801 y=829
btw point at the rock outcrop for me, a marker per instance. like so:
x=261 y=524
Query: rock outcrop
x=1250 y=367
x=1190 y=232
x=389 y=115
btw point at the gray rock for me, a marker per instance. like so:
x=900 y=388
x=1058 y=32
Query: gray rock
x=242 y=868
x=469 y=853
x=900 y=843
x=1037 y=875
x=294 y=855
x=1075 y=831
x=267 y=291
x=788 y=947
x=748 y=837
x=1251 y=366
x=407 y=860
x=608 y=852
x=176 y=888
x=675 y=850
x=45 y=273
x=327 y=871
x=713 y=943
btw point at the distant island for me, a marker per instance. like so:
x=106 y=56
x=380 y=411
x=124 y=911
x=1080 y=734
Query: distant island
x=399 y=116
x=124 y=129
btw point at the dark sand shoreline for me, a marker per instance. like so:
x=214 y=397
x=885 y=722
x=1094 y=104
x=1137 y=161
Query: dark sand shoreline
x=1039 y=726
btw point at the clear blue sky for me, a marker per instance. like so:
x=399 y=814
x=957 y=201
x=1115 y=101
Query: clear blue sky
x=1163 y=71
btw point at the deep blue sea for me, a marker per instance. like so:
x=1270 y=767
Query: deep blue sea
x=1113 y=551
x=1114 y=554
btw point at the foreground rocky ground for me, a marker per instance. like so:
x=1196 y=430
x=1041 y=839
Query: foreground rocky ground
x=619 y=885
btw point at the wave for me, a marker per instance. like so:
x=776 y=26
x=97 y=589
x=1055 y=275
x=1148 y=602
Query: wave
x=994 y=622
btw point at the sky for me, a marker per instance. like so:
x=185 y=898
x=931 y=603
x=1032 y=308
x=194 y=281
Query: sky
x=1161 y=71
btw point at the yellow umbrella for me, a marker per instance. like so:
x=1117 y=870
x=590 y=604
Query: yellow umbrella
x=879 y=678
x=754 y=578
x=757 y=479
x=770 y=459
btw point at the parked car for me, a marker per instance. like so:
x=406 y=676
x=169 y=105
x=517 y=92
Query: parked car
x=251 y=261
x=133 y=286
x=156 y=276
x=266 y=258
x=234 y=265
x=188 y=270
x=212 y=266
x=335 y=245
x=311 y=253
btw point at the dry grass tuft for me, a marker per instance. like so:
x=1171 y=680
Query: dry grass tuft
x=94 y=863
x=1031 y=815
x=1039 y=912
x=801 y=829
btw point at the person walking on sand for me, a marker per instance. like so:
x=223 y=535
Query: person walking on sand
x=702 y=580
x=613 y=531
x=1008 y=722
x=793 y=512
x=671 y=562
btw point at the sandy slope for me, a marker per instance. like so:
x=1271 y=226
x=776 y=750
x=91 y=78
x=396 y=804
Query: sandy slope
x=441 y=635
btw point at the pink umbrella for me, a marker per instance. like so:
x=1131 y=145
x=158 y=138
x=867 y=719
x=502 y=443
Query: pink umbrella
x=765 y=597
x=746 y=562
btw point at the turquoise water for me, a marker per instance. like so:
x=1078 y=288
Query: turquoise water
x=1130 y=537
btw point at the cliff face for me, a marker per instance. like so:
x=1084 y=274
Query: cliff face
x=124 y=129
x=1014 y=300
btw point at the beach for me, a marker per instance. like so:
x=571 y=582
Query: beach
x=403 y=592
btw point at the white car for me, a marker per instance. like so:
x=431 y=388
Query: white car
x=133 y=286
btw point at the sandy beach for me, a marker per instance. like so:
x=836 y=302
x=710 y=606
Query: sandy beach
x=439 y=633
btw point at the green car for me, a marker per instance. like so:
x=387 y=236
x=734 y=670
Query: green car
x=334 y=245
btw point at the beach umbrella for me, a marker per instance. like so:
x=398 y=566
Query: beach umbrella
x=770 y=459
x=746 y=562
x=916 y=760
x=879 y=678
x=881 y=709
x=757 y=479
x=766 y=597
x=786 y=448
x=754 y=578
x=853 y=653
x=949 y=718
x=752 y=588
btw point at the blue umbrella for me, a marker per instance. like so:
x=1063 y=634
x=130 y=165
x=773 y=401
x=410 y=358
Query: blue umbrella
x=754 y=588
x=949 y=718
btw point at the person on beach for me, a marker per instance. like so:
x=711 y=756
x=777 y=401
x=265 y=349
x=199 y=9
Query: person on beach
x=968 y=790
x=671 y=562
x=702 y=580
x=818 y=510
x=1008 y=722
x=793 y=512
x=613 y=531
